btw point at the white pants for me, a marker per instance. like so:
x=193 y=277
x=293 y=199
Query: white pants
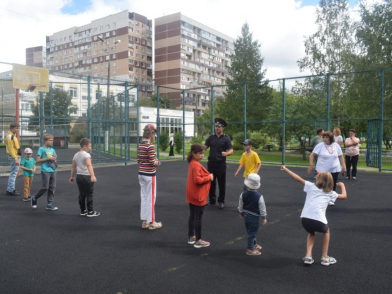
x=148 y=189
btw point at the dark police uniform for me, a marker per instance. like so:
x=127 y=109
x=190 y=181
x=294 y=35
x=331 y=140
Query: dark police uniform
x=217 y=164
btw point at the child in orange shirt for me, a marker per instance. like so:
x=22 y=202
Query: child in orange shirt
x=197 y=189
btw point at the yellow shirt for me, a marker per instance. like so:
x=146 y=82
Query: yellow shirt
x=12 y=145
x=250 y=162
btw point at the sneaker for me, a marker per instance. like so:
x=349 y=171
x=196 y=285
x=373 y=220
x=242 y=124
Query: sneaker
x=201 y=243
x=83 y=212
x=33 y=202
x=354 y=178
x=331 y=203
x=221 y=205
x=253 y=252
x=50 y=206
x=327 y=261
x=27 y=199
x=192 y=240
x=13 y=193
x=93 y=213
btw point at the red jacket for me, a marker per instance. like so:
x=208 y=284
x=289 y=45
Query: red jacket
x=198 y=184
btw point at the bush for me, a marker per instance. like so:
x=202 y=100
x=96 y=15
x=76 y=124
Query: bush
x=198 y=139
x=164 y=140
x=77 y=134
x=237 y=139
x=258 y=139
x=178 y=141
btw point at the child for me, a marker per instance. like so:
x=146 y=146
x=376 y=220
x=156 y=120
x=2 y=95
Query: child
x=147 y=178
x=85 y=178
x=252 y=207
x=249 y=159
x=48 y=158
x=27 y=164
x=197 y=189
x=313 y=214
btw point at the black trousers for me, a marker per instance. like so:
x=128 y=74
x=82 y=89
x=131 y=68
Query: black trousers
x=86 y=191
x=195 y=220
x=335 y=179
x=218 y=169
x=352 y=160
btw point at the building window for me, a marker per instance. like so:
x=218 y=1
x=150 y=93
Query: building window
x=73 y=92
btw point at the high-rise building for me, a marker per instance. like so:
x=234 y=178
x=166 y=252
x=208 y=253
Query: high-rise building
x=36 y=56
x=127 y=47
x=189 y=54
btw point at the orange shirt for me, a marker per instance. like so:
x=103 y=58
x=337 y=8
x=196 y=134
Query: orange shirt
x=198 y=184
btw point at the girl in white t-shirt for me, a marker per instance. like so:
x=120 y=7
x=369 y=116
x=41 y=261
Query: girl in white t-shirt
x=313 y=214
x=337 y=136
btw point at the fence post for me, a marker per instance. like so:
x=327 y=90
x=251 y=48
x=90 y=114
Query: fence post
x=283 y=120
x=381 y=120
x=41 y=117
x=158 y=122
x=88 y=108
x=99 y=121
x=138 y=119
x=212 y=111
x=183 y=125
x=244 y=89
x=328 y=101
x=127 y=122
x=51 y=108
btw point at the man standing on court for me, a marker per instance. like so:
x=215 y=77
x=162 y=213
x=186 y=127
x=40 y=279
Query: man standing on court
x=12 y=147
x=220 y=147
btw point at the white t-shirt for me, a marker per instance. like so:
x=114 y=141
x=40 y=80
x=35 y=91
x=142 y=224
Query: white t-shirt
x=328 y=157
x=338 y=139
x=316 y=202
x=80 y=160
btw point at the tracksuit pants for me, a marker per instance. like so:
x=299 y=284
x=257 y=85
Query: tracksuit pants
x=148 y=189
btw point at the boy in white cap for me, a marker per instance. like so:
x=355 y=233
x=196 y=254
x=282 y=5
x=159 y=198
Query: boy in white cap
x=27 y=164
x=252 y=207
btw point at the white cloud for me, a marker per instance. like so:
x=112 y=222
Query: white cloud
x=279 y=25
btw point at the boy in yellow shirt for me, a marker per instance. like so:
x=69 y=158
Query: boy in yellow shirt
x=249 y=160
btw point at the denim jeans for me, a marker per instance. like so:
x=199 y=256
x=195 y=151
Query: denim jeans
x=252 y=223
x=86 y=190
x=13 y=173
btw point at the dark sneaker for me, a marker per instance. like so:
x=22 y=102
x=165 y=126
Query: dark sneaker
x=211 y=203
x=27 y=199
x=13 y=193
x=83 y=212
x=201 y=243
x=93 y=213
x=50 y=206
x=192 y=240
x=33 y=202
x=221 y=205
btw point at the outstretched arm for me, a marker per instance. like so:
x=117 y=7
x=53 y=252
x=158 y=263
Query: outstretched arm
x=294 y=175
x=343 y=195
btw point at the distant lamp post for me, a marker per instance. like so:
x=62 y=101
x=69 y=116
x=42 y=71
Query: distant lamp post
x=116 y=42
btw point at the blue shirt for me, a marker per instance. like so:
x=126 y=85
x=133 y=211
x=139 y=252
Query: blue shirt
x=28 y=163
x=45 y=152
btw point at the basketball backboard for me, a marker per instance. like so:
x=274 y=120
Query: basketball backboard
x=30 y=78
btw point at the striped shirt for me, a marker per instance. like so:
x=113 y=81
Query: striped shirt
x=146 y=159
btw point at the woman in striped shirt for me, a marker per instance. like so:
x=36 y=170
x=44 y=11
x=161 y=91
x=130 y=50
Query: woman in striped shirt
x=147 y=178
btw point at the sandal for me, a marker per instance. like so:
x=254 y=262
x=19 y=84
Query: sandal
x=253 y=252
x=308 y=260
x=258 y=247
x=145 y=225
x=154 y=226
x=327 y=261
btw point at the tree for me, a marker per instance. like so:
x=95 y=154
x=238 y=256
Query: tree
x=164 y=140
x=164 y=101
x=62 y=108
x=178 y=141
x=246 y=67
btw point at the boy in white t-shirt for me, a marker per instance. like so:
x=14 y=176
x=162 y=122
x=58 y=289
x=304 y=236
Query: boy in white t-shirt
x=313 y=214
x=85 y=178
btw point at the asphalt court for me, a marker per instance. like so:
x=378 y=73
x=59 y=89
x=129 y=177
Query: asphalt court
x=61 y=252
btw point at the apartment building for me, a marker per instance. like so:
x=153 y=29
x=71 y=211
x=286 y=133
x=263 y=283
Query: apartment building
x=36 y=56
x=189 y=54
x=126 y=50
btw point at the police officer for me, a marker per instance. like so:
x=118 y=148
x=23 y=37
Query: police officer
x=220 y=147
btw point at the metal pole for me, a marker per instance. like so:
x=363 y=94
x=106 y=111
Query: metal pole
x=212 y=110
x=183 y=125
x=158 y=122
x=41 y=117
x=126 y=123
x=88 y=108
x=51 y=107
x=283 y=120
x=328 y=101
x=244 y=89
x=381 y=120
x=99 y=122
x=138 y=118
x=17 y=109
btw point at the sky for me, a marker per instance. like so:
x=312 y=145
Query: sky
x=279 y=25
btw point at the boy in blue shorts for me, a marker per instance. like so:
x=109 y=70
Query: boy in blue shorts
x=47 y=157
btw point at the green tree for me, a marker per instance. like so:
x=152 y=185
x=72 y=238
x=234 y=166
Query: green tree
x=246 y=66
x=62 y=108
x=147 y=102
x=164 y=140
x=164 y=101
x=178 y=141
